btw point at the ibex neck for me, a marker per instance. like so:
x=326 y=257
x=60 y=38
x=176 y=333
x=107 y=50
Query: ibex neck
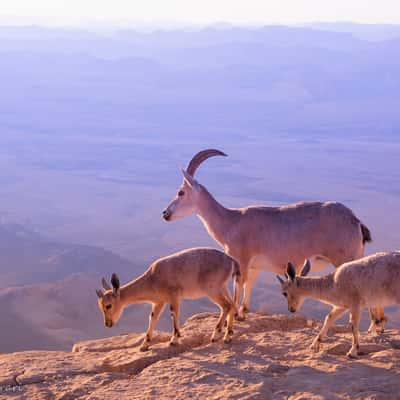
x=217 y=219
x=316 y=288
x=136 y=291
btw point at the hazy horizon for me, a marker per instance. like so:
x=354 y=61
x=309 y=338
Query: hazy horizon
x=180 y=13
x=107 y=26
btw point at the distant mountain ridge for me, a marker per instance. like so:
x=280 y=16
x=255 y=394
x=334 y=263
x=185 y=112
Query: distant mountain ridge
x=27 y=257
x=373 y=32
x=47 y=289
x=255 y=77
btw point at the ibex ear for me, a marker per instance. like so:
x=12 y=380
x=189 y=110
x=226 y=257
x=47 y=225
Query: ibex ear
x=306 y=268
x=106 y=286
x=189 y=180
x=291 y=271
x=115 y=282
x=99 y=293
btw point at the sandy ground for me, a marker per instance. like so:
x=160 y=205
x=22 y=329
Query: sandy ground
x=267 y=359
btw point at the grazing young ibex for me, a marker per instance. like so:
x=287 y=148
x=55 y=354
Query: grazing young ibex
x=372 y=281
x=264 y=238
x=188 y=274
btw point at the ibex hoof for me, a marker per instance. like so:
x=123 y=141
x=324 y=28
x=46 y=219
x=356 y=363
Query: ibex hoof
x=144 y=348
x=315 y=347
x=352 y=354
x=227 y=339
x=372 y=330
x=240 y=317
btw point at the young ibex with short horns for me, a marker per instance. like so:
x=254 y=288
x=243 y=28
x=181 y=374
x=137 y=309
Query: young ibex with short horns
x=264 y=238
x=372 y=281
x=188 y=274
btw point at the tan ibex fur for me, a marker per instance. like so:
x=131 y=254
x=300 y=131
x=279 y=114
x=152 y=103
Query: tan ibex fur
x=188 y=274
x=372 y=281
x=265 y=238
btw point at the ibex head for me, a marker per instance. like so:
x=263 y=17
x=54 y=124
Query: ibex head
x=289 y=285
x=109 y=301
x=185 y=201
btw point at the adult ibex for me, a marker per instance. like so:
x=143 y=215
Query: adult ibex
x=265 y=238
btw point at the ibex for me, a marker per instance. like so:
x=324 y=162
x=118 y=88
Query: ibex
x=264 y=238
x=372 y=281
x=188 y=274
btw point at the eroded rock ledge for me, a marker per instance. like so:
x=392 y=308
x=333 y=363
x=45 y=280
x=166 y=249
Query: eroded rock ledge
x=268 y=358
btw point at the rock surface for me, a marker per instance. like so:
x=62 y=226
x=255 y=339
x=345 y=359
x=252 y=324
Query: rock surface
x=267 y=359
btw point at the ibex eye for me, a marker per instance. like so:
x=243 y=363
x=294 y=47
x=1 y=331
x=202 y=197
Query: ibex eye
x=285 y=294
x=181 y=193
x=108 y=306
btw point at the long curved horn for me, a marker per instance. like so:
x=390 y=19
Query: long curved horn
x=200 y=157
